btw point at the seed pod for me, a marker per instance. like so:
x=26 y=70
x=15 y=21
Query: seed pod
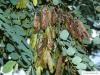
x=59 y=65
x=33 y=40
x=36 y=23
x=50 y=44
x=53 y=32
x=44 y=18
x=48 y=33
x=49 y=16
x=38 y=70
x=50 y=62
x=54 y=17
x=82 y=30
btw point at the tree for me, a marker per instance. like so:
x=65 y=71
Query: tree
x=58 y=37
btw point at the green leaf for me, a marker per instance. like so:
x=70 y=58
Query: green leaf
x=26 y=24
x=56 y=2
x=35 y=2
x=10 y=47
x=64 y=51
x=7 y=13
x=32 y=71
x=14 y=56
x=64 y=34
x=86 y=59
x=71 y=51
x=14 y=16
x=98 y=46
x=21 y=15
x=60 y=42
x=96 y=40
x=80 y=71
x=23 y=48
x=28 y=55
x=81 y=66
x=14 y=2
x=19 y=30
x=17 y=39
x=86 y=41
x=18 y=22
x=1 y=11
x=98 y=9
x=2 y=44
x=21 y=63
x=80 y=49
x=9 y=66
x=2 y=18
x=79 y=54
x=76 y=60
x=91 y=63
x=26 y=60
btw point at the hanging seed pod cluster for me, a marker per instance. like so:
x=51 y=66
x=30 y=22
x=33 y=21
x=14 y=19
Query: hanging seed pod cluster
x=76 y=28
x=48 y=50
x=42 y=40
x=56 y=17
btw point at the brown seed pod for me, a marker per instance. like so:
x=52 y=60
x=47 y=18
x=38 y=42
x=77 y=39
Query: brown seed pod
x=49 y=16
x=53 y=32
x=54 y=17
x=50 y=43
x=59 y=65
x=44 y=18
x=72 y=27
x=60 y=15
x=36 y=23
x=82 y=29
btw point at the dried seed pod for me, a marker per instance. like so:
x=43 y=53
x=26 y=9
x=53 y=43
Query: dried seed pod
x=50 y=16
x=33 y=40
x=50 y=43
x=59 y=65
x=60 y=15
x=82 y=29
x=50 y=62
x=44 y=18
x=72 y=26
x=36 y=23
x=53 y=32
x=54 y=16
x=38 y=70
x=48 y=33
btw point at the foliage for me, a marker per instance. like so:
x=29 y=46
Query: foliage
x=8 y=66
x=64 y=35
x=35 y=2
x=96 y=40
x=58 y=38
